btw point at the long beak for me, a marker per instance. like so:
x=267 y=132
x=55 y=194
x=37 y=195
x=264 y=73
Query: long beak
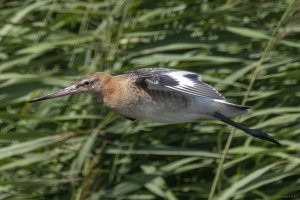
x=63 y=92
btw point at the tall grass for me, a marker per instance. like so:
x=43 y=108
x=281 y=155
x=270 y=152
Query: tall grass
x=75 y=148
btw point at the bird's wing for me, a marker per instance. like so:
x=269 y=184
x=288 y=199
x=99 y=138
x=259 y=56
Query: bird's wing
x=176 y=80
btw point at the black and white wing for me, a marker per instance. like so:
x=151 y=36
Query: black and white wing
x=176 y=80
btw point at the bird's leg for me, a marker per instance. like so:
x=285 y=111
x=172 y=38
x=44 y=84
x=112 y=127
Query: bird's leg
x=254 y=132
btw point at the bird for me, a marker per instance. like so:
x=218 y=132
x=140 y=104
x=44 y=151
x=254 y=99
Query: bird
x=161 y=95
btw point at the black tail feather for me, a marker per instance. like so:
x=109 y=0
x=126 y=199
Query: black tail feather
x=254 y=132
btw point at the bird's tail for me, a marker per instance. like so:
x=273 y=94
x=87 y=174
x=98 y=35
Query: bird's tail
x=230 y=109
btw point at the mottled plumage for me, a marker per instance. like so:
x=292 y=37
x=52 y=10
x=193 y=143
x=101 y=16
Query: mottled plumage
x=160 y=95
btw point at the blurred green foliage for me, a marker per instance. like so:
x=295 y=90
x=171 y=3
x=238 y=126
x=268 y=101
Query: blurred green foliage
x=75 y=148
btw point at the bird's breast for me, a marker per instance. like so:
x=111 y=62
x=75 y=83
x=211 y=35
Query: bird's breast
x=150 y=105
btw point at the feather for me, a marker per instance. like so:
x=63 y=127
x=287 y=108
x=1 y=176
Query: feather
x=176 y=80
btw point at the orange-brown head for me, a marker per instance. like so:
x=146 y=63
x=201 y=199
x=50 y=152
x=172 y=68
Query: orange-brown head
x=92 y=83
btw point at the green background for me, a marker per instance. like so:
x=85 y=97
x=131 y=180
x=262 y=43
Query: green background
x=75 y=148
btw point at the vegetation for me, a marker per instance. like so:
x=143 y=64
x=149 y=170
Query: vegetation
x=75 y=148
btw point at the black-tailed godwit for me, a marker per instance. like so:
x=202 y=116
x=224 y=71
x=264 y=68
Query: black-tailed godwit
x=160 y=95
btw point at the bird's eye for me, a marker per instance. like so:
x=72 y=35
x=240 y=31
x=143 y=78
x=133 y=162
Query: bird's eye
x=86 y=83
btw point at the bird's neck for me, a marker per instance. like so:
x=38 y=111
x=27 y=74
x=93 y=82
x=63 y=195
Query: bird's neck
x=115 y=92
x=110 y=89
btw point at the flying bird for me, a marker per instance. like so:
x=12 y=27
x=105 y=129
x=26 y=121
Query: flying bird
x=160 y=95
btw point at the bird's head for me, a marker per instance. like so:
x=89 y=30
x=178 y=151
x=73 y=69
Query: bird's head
x=91 y=83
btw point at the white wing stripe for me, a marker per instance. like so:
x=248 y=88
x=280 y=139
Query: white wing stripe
x=179 y=76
